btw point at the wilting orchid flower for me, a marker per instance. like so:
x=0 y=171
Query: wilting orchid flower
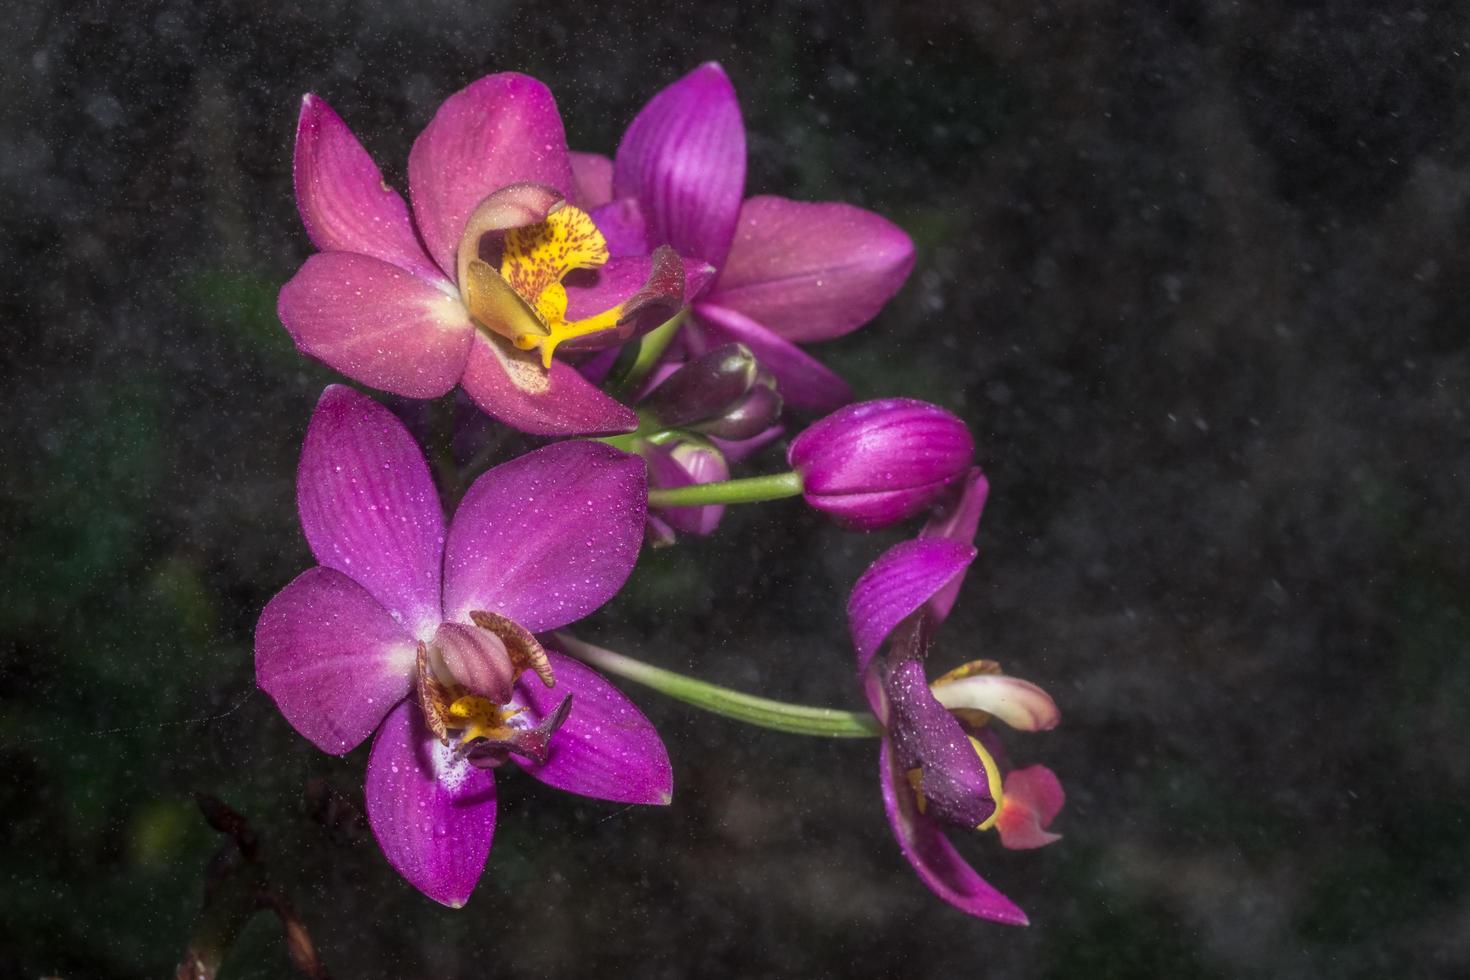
x=940 y=760
x=498 y=271
x=875 y=463
x=424 y=635
x=790 y=272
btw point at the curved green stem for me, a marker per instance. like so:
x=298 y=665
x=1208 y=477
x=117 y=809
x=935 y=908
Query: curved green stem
x=650 y=348
x=749 y=490
x=797 y=719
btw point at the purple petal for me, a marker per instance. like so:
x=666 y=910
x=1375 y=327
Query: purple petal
x=806 y=384
x=503 y=129
x=884 y=445
x=623 y=226
x=548 y=537
x=928 y=738
x=902 y=579
x=377 y=324
x=739 y=450
x=650 y=290
x=958 y=523
x=606 y=748
x=433 y=813
x=683 y=158
x=332 y=658
x=512 y=386
x=683 y=465
x=812 y=271
x=368 y=506
x=934 y=858
x=592 y=177
x=344 y=202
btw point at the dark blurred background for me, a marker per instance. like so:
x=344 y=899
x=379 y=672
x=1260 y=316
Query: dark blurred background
x=1194 y=272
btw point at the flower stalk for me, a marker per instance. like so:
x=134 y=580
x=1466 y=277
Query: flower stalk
x=781 y=716
x=748 y=490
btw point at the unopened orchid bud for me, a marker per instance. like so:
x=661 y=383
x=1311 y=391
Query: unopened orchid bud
x=705 y=388
x=681 y=464
x=875 y=463
x=750 y=416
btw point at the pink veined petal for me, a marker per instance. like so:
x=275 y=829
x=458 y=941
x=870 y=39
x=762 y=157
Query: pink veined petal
x=1033 y=798
x=369 y=508
x=377 y=324
x=898 y=583
x=343 y=200
x=606 y=748
x=332 y=658
x=959 y=523
x=592 y=177
x=806 y=384
x=433 y=814
x=934 y=858
x=548 y=537
x=622 y=224
x=500 y=130
x=683 y=158
x=513 y=387
x=812 y=271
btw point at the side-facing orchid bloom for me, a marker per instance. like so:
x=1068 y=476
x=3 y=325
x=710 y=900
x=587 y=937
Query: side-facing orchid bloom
x=941 y=761
x=498 y=271
x=428 y=636
x=790 y=272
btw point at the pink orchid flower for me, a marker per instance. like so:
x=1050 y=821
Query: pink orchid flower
x=498 y=270
x=941 y=761
x=789 y=272
x=428 y=635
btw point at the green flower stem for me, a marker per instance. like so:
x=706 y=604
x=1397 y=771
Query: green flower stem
x=749 y=490
x=796 y=719
x=650 y=349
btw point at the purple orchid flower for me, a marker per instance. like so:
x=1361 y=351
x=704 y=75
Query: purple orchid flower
x=477 y=288
x=789 y=272
x=425 y=634
x=941 y=762
x=876 y=463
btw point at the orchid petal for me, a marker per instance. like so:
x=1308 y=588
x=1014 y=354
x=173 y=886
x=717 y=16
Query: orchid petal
x=606 y=748
x=512 y=386
x=344 y=202
x=332 y=658
x=369 y=508
x=432 y=812
x=933 y=857
x=926 y=737
x=592 y=178
x=1033 y=798
x=503 y=129
x=902 y=579
x=1020 y=704
x=806 y=384
x=377 y=324
x=650 y=290
x=812 y=271
x=623 y=226
x=548 y=537
x=959 y=523
x=683 y=158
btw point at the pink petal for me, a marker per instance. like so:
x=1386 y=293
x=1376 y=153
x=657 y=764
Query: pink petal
x=592 y=178
x=959 y=523
x=503 y=129
x=897 y=584
x=369 y=508
x=806 y=384
x=433 y=814
x=377 y=324
x=512 y=386
x=332 y=658
x=812 y=271
x=1033 y=798
x=548 y=537
x=683 y=158
x=934 y=858
x=344 y=202
x=623 y=226
x=606 y=748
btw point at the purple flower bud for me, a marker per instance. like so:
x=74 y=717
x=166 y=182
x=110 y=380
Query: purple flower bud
x=752 y=415
x=875 y=463
x=681 y=464
x=705 y=387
